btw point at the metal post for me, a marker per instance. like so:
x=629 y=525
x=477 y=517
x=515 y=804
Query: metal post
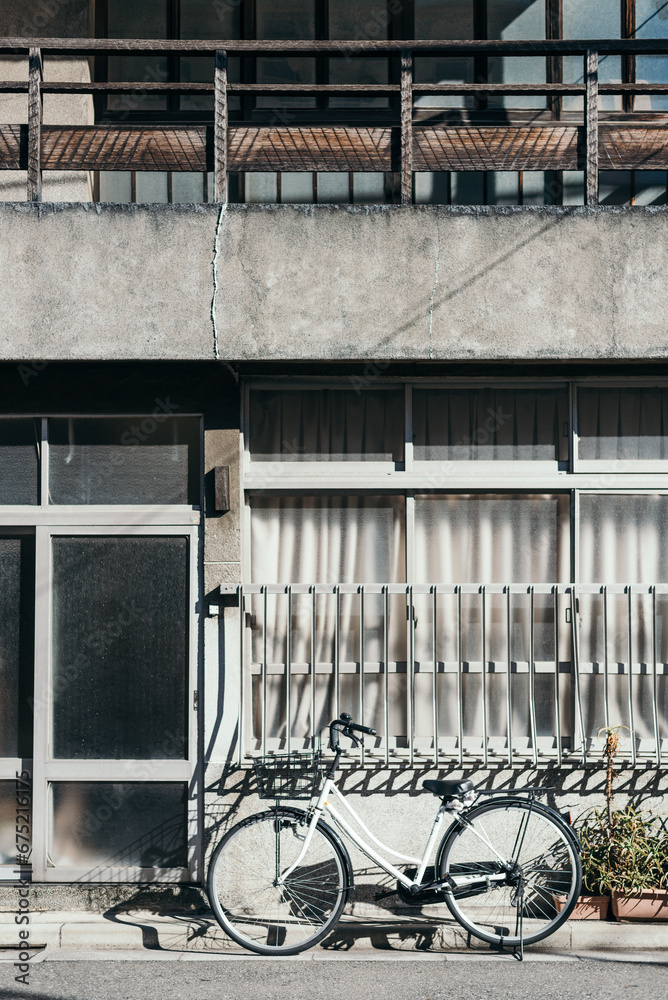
x=288 y=675
x=220 y=128
x=483 y=654
x=629 y=648
x=532 y=685
x=460 y=686
x=406 y=127
x=591 y=127
x=35 y=110
x=434 y=676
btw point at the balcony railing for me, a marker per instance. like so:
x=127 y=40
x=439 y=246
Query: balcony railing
x=403 y=145
x=492 y=674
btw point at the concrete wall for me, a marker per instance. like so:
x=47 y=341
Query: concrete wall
x=303 y=283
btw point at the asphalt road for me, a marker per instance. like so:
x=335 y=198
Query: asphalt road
x=376 y=979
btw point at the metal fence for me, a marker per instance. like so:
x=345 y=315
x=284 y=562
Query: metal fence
x=490 y=673
x=399 y=142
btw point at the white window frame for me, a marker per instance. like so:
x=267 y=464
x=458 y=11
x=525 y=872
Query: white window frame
x=465 y=477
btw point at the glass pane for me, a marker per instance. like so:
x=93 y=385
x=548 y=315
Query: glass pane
x=482 y=538
x=99 y=824
x=152 y=188
x=120 y=640
x=137 y=69
x=533 y=187
x=651 y=22
x=291 y=19
x=327 y=425
x=296 y=188
x=125 y=460
x=260 y=188
x=503 y=187
x=573 y=187
x=515 y=19
x=594 y=19
x=14 y=817
x=148 y=19
x=187 y=187
x=434 y=19
x=19 y=463
x=490 y=425
x=622 y=539
x=204 y=19
x=614 y=187
x=310 y=539
x=333 y=189
x=623 y=424
x=351 y=20
x=16 y=645
x=649 y=187
x=467 y=187
x=116 y=186
x=432 y=188
x=368 y=189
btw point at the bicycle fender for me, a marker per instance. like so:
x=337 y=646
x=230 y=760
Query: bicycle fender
x=504 y=800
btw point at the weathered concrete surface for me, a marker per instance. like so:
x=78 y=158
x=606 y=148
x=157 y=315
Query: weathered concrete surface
x=335 y=283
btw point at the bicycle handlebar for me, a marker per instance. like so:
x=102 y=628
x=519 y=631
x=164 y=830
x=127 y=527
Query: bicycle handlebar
x=346 y=727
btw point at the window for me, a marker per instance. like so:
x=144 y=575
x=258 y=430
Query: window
x=436 y=593
x=98 y=558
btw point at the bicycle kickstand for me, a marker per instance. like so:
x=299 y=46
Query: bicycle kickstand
x=518 y=953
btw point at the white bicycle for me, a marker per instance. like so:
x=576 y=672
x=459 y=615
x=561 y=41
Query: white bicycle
x=508 y=868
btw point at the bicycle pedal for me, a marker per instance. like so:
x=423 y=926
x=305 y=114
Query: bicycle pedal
x=383 y=895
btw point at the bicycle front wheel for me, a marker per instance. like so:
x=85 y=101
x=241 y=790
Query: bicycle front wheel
x=258 y=909
x=515 y=869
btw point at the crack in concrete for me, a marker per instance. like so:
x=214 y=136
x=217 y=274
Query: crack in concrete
x=216 y=253
x=433 y=293
x=214 y=322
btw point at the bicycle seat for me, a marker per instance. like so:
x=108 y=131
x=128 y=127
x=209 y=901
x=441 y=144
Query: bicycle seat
x=446 y=789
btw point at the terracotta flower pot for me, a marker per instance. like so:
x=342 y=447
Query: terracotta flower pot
x=647 y=904
x=586 y=908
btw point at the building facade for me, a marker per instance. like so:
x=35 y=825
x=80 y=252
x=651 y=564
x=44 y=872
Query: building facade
x=334 y=379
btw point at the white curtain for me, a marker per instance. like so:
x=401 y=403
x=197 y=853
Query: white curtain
x=327 y=425
x=623 y=540
x=327 y=540
x=623 y=424
x=486 y=538
x=490 y=424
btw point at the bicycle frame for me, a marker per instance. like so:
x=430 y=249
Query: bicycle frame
x=323 y=806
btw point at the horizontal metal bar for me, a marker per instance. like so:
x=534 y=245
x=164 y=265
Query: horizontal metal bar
x=444 y=589
x=574 y=89
x=529 y=47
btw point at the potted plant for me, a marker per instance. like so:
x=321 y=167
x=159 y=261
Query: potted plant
x=624 y=856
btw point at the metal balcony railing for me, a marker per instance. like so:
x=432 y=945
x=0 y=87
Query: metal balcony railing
x=494 y=674
x=403 y=145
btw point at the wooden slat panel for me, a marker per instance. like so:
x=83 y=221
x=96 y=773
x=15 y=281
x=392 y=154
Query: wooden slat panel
x=108 y=148
x=485 y=147
x=632 y=147
x=495 y=147
x=13 y=147
x=363 y=149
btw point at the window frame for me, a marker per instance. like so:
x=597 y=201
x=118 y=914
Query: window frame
x=49 y=521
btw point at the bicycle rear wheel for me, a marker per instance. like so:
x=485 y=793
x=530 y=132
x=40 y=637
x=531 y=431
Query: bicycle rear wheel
x=510 y=863
x=275 y=919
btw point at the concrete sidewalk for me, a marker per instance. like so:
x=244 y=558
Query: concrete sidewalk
x=179 y=934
